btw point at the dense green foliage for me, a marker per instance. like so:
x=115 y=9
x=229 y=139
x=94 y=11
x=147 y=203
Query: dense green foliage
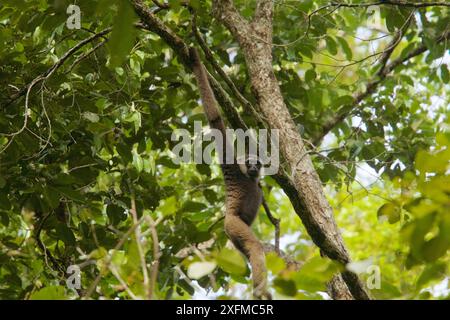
x=96 y=134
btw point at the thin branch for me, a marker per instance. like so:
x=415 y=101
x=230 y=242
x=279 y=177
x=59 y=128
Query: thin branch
x=156 y=255
x=212 y=278
x=160 y=4
x=392 y=45
x=164 y=5
x=58 y=64
x=419 y=50
x=290 y=262
x=155 y=25
x=47 y=253
x=86 y=55
x=276 y=224
x=391 y=3
x=110 y=257
x=336 y=6
x=371 y=87
x=116 y=274
x=152 y=23
x=43 y=77
x=141 y=252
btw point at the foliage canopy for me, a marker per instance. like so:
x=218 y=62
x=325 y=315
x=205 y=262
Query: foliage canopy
x=93 y=136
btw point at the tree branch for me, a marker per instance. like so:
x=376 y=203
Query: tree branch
x=290 y=262
x=86 y=55
x=315 y=212
x=227 y=12
x=152 y=23
x=392 y=45
x=303 y=187
x=276 y=224
x=371 y=86
x=58 y=64
x=263 y=12
x=108 y=260
x=337 y=289
x=141 y=252
x=391 y=3
x=156 y=256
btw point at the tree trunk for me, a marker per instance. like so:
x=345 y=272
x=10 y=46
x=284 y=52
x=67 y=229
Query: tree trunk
x=303 y=186
x=255 y=40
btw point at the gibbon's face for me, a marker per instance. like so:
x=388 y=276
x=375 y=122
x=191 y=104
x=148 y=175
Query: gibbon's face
x=253 y=168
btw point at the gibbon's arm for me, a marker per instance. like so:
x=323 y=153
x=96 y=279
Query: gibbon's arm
x=209 y=102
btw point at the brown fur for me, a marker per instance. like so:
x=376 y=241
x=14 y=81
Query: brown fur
x=243 y=194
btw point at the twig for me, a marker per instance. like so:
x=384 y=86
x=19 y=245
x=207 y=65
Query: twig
x=44 y=76
x=58 y=64
x=47 y=253
x=275 y=222
x=137 y=234
x=122 y=282
x=109 y=258
x=290 y=262
x=87 y=54
x=393 y=44
x=156 y=255
x=371 y=87
x=390 y=3
x=161 y=5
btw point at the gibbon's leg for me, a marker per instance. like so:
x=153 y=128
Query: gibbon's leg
x=245 y=241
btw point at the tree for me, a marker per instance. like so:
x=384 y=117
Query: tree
x=86 y=170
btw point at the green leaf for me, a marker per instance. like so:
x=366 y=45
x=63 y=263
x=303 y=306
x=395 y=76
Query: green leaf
x=186 y=286
x=435 y=248
x=389 y=210
x=431 y=272
x=197 y=270
x=231 y=261
x=331 y=45
x=64 y=234
x=115 y=213
x=192 y=206
x=275 y=263
x=310 y=75
x=445 y=75
x=2 y=182
x=69 y=193
x=51 y=197
x=92 y=117
x=345 y=47
x=394 y=19
x=315 y=273
x=285 y=286
x=138 y=162
x=342 y=100
x=122 y=35
x=49 y=293
x=5 y=204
